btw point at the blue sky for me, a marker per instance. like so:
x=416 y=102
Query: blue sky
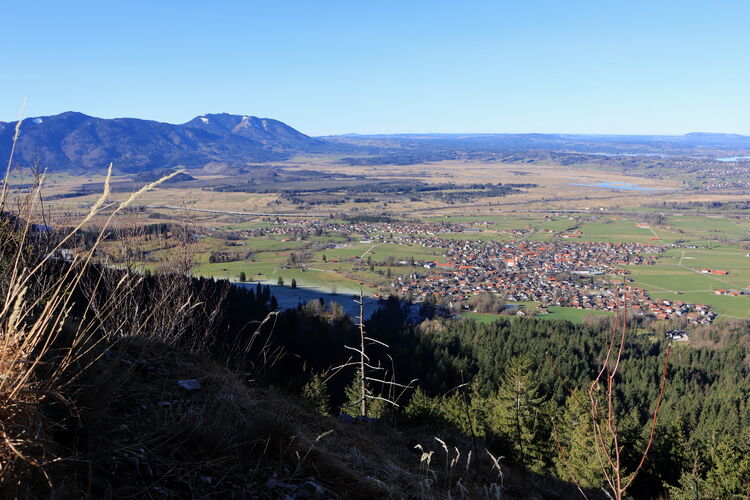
x=329 y=67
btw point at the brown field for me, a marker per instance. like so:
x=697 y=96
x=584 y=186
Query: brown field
x=555 y=192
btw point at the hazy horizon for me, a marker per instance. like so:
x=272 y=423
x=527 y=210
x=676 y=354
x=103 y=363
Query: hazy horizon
x=395 y=133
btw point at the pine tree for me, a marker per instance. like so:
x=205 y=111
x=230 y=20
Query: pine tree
x=422 y=408
x=316 y=392
x=466 y=413
x=578 y=461
x=280 y=281
x=375 y=407
x=294 y=283
x=243 y=277
x=516 y=414
x=730 y=476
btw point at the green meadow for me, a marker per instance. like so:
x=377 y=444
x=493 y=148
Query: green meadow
x=560 y=313
x=379 y=252
x=677 y=276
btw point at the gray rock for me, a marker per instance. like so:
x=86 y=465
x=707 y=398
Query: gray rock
x=189 y=384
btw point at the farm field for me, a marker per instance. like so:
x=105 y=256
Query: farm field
x=270 y=256
x=555 y=187
x=677 y=276
x=618 y=231
x=269 y=270
x=378 y=252
x=561 y=313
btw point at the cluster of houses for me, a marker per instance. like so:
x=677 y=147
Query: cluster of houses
x=556 y=273
x=695 y=314
x=562 y=272
x=725 y=175
x=679 y=335
x=377 y=230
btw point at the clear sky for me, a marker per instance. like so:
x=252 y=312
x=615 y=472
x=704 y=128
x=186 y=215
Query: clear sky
x=330 y=67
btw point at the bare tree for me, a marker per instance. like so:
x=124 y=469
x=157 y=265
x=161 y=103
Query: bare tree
x=600 y=409
x=366 y=370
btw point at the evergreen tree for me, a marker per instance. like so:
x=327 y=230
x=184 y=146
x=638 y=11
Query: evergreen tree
x=423 y=409
x=294 y=283
x=578 y=460
x=243 y=277
x=375 y=407
x=274 y=305
x=280 y=281
x=316 y=392
x=516 y=414
x=730 y=475
x=467 y=413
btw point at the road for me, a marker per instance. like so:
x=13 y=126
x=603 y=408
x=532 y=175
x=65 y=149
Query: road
x=228 y=212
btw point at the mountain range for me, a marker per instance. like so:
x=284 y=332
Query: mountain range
x=80 y=143
x=75 y=141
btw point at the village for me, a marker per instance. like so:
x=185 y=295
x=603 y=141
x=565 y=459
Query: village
x=563 y=271
x=581 y=275
x=380 y=230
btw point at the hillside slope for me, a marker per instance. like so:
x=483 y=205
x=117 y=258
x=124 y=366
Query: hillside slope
x=74 y=141
x=152 y=421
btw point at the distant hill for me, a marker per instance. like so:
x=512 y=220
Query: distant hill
x=158 y=174
x=80 y=143
x=406 y=149
x=75 y=141
x=670 y=144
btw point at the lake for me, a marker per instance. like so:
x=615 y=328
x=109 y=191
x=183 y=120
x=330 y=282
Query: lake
x=289 y=298
x=619 y=185
x=734 y=158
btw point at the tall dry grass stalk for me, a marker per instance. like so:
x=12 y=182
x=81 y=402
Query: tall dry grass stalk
x=16 y=135
x=42 y=347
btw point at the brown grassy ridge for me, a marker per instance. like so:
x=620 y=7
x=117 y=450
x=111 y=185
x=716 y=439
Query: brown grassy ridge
x=139 y=433
x=134 y=432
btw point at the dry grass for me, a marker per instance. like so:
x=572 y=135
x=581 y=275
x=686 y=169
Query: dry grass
x=231 y=440
x=42 y=349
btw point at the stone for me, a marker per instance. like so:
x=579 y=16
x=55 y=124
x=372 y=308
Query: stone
x=189 y=384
